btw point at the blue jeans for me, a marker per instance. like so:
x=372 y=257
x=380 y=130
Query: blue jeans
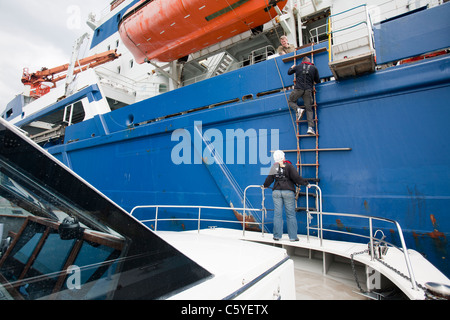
x=287 y=198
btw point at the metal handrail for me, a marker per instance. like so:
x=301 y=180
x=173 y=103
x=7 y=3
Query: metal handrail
x=263 y=208
x=264 y=52
x=319 y=213
x=320 y=229
x=156 y=219
x=367 y=21
x=319 y=210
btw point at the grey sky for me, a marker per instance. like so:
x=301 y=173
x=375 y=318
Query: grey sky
x=38 y=34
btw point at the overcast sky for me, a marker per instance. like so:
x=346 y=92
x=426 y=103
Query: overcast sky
x=38 y=34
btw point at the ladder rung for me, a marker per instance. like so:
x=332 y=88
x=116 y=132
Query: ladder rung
x=312 y=150
x=304 y=209
x=303 y=107
x=303 y=194
x=307 y=135
x=301 y=55
x=305 y=121
x=307 y=165
x=320 y=150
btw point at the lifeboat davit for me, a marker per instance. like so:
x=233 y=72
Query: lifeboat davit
x=166 y=30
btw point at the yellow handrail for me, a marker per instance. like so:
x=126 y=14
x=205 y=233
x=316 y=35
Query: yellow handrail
x=329 y=39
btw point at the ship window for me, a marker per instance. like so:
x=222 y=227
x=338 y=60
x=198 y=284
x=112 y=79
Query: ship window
x=117 y=43
x=162 y=88
x=53 y=246
x=90 y=254
x=40 y=258
x=50 y=261
x=115 y=104
x=74 y=113
x=131 y=63
x=67 y=241
x=23 y=250
x=9 y=113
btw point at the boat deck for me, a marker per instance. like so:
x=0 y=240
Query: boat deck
x=240 y=269
x=324 y=272
x=312 y=285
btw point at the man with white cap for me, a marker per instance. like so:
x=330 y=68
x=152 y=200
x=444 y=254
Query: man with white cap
x=286 y=177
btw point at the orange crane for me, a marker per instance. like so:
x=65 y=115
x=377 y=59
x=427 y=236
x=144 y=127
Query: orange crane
x=38 y=79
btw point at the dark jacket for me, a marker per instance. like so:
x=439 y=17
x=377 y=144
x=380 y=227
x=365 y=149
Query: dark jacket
x=306 y=74
x=285 y=178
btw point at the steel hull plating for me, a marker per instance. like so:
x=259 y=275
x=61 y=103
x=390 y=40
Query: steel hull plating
x=395 y=122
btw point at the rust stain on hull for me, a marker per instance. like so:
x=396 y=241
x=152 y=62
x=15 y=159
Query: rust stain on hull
x=341 y=226
x=439 y=238
x=436 y=234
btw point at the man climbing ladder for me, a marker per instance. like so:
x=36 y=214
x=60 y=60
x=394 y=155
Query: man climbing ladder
x=306 y=75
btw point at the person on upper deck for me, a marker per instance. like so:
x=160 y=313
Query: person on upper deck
x=285 y=177
x=306 y=75
x=285 y=46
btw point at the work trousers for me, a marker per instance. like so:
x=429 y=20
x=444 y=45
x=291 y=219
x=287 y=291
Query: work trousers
x=306 y=95
x=286 y=198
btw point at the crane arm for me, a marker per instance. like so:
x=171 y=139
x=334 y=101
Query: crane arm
x=36 y=79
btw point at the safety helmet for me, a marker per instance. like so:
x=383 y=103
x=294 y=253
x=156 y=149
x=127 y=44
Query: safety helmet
x=278 y=156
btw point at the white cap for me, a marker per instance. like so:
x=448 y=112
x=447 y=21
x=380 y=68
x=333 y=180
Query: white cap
x=278 y=156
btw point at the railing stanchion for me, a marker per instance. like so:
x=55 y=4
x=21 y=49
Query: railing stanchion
x=199 y=215
x=407 y=260
x=156 y=219
x=371 y=239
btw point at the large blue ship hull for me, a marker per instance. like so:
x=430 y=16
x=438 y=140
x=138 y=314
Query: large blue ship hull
x=399 y=165
x=219 y=138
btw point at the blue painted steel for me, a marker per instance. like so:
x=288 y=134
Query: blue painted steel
x=320 y=59
x=110 y=27
x=413 y=35
x=395 y=121
x=252 y=81
x=249 y=81
x=398 y=168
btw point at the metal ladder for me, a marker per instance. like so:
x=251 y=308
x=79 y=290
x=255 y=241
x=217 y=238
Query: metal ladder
x=300 y=137
x=300 y=165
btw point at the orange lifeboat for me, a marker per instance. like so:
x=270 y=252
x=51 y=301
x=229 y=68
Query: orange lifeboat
x=166 y=30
